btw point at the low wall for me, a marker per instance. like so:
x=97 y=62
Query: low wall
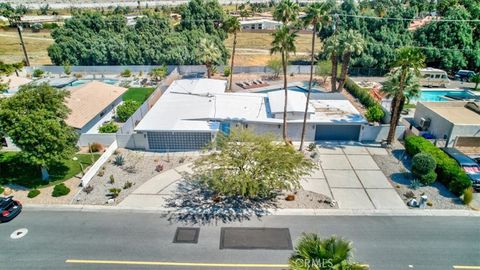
x=103 y=138
x=379 y=133
x=98 y=164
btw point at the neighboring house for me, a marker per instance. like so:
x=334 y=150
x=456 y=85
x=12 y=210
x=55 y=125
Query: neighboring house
x=14 y=83
x=56 y=82
x=458 y=122
x=260 y=24
x=192 y=111
x=90 y=103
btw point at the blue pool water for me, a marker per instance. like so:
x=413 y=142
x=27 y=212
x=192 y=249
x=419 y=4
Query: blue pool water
x=80 y=82
x=438 y=96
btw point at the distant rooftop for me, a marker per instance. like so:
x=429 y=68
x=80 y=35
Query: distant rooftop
x=455 y=112
x=89 y=100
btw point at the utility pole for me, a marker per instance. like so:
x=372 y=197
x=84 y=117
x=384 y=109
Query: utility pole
x=19 y=28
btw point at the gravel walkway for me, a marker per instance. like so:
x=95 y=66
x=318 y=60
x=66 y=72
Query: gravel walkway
x=397 y=169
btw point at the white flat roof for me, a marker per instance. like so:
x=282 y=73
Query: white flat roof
x=192 y=105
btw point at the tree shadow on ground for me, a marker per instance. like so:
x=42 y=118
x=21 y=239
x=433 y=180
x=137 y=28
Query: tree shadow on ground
x=194 y=204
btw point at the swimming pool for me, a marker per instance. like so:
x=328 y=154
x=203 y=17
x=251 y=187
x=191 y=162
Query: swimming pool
x=441 y=95
x=107 y=81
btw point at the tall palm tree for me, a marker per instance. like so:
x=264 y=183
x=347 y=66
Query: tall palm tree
x=209 y=53
x=408 y=60
x=284 y=43
x=316 y=15
x=351 y=42
x=411 y=89
x=332 y=253
x=286 y=11
x=331 y=48
x=232 y=26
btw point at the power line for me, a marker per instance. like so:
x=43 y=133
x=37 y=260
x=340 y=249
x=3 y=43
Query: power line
x=404 y=19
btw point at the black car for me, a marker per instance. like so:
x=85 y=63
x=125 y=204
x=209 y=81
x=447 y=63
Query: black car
x=9 y=208
x=464 y=75
x=469 y=165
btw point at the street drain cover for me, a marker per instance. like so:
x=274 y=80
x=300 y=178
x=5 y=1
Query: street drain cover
x=19 y=233
x=255 y=238
x=186 y=235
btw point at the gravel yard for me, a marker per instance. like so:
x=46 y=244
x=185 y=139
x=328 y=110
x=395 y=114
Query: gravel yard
x=138 y=167
x=397 y=168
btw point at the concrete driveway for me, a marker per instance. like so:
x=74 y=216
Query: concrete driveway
x=348 y=174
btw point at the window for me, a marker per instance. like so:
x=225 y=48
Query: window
x=444 y=76
x=437 y=76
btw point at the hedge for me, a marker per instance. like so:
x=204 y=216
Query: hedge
x=362 y=94
x=448 y=171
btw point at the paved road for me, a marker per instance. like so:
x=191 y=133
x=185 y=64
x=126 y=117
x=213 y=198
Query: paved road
x=382 y=242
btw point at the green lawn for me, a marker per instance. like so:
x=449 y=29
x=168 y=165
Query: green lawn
x=139 y=94
x=14 y=170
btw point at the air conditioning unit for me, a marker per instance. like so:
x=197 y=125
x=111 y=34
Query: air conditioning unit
x=424 y=122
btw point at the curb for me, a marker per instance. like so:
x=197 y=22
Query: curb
x=272 y=212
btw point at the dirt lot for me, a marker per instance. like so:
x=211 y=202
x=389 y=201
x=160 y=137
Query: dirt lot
x=35 y=43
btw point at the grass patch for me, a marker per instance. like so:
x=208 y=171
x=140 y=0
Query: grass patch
x=409 y=106
x=139 y=94
x=36 y=44
x=14 y=170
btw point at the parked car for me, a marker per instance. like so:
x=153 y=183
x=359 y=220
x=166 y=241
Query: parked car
x=9 y=208
x=464 y=75
x=469 y=165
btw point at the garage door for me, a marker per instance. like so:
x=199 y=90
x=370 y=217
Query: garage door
x=337 y=132
x=178 y=141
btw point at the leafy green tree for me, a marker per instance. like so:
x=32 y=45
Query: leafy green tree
x=476 y=80
x=408 y=60
x=351 y=42
x=37 y=73
x=374 y=113
x=251 y=166
x=209 y=53
x=204 y=15
x=286 y=11
x=316 y=16
x=127 y=109
x=232 y=26
x=275 y=65
x=67 y=69
x=284 y=43
x=314 y=253
x=34 y=119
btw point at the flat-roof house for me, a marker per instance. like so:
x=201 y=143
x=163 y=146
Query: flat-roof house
x=90 y=102
x=456 y=121
x=260 y=24
x=191 y=112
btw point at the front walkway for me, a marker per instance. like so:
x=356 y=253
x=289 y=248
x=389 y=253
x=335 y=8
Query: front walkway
x=346 y=173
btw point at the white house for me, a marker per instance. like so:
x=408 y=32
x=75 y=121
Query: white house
x=191 y=112
x=260 y=24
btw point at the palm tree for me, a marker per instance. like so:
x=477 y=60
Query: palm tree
x=232 y=26
x=312 y=252
x=286 y=11
x=411 y=89
x=408 y=60
x=284 y=43
x=316 y=15
x=331 y=48
x=351 y=42
x=209 y=53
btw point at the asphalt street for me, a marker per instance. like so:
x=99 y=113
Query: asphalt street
x=127 y=240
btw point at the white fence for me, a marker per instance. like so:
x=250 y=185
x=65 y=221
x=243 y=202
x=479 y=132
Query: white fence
x=103 y=138
x=98 y=164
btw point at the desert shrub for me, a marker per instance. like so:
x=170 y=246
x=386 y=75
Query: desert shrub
x=109 y=127
x=467 y=196
x=448 y=171
x=428 y=178
x=88 y=189
x=33 y=193
x=374 y=113
x=312 y=146
x=127 y=185
x=37 y=73
x=96 y=147
x=50 y=26
x=126 y=73
x=101 y=173
x=60 y=190
x=112 y=179
x=126 y=109
x=119 y=160
x=36 y=27
x=423 y=167
x=275 y=65
x=362 y=94
x=159 y=167
x=114 y=192
x=415 y=184
x=226 y=71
